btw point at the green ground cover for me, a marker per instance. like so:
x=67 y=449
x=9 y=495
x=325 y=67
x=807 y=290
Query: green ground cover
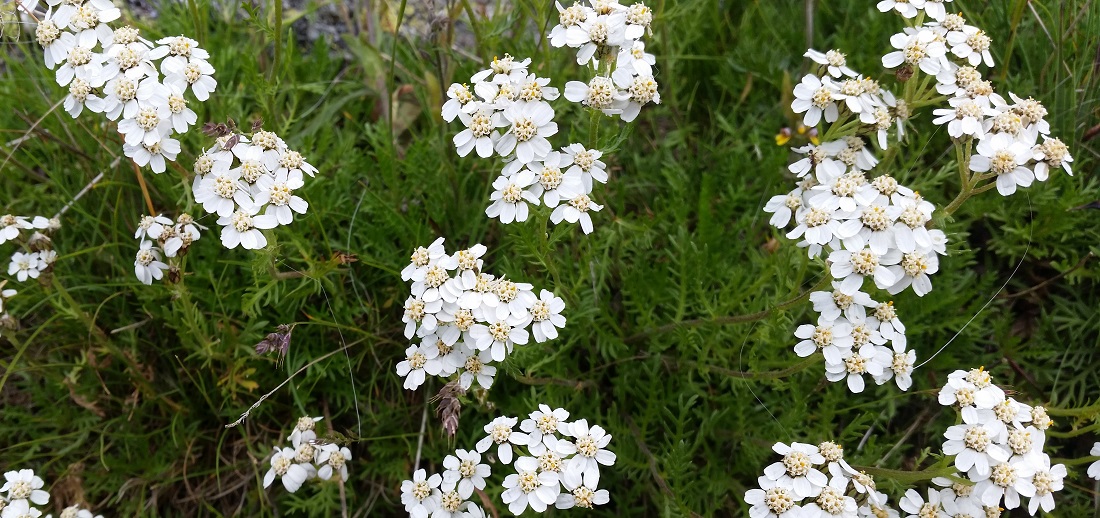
x=118 y=393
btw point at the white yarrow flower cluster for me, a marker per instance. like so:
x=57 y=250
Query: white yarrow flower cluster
x=447 y=495
x=250 y=184
x=1014 y=145
x=307 y=458
x=1009 y=151
x=34 y=259
x=815 y=481
x=161 y=238
x=557 y=465
x=838 y=91
x=872 y=227
x=22 y=494
x=859 y=338
x=873 y=230
x=609 y=37
x=468 y=320
x=119 y=73
x=507 y=113
x=998 y=446
x=36 y=256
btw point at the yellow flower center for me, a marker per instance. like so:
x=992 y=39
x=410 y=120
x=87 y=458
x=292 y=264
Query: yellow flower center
x=976 y=438
x=797 y=463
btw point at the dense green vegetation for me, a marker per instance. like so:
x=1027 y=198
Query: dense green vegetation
x=118 y=393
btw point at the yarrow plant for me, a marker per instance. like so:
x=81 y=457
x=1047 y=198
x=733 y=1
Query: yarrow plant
x=115 y=71
x=877 y=238
x=990 y=460
x=307 y=458
x=556 y=464
x=507 y=112
x=467 y=320
x=870 y=228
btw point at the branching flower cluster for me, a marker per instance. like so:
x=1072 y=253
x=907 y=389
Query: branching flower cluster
x=508 y=97
x=851 y=333
x=872 y=227
x=556 y=462
x=249 y=182
x=608 y=37
x=308 y=458
x=118 y=73
x=813 y=481
x=873 y=230
x=998 y=448
x=160 y=236
x=468 y=320
x=22 y=495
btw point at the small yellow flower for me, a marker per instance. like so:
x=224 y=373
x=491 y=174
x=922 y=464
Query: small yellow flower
x=783 y=137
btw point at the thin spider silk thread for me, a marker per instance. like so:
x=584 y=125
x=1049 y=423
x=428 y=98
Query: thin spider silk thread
x=347 y=355
x=1023 y=258
x=741 y=368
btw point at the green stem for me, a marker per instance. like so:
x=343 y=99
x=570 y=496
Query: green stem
x=933 y=98
x=474 y=27
x=544 y=252
x=961 y=147
x=1074 y=462
x=838 y=127
x=594 y=129
x=731 y=319
x=978 y=178
x=921 y=90
x=986 y=187
x=20 y=348
x=393 y=64
x=187 y=310
x=278 y=41
x=1074 y=433
x=1086 y=411
x=918 y=21
x=199 y=26
x=963 y=150
x=910 y=477
x=910 y=87
x=954 y=205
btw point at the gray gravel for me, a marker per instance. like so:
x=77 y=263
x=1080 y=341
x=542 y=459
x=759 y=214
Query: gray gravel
x=334 y=19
